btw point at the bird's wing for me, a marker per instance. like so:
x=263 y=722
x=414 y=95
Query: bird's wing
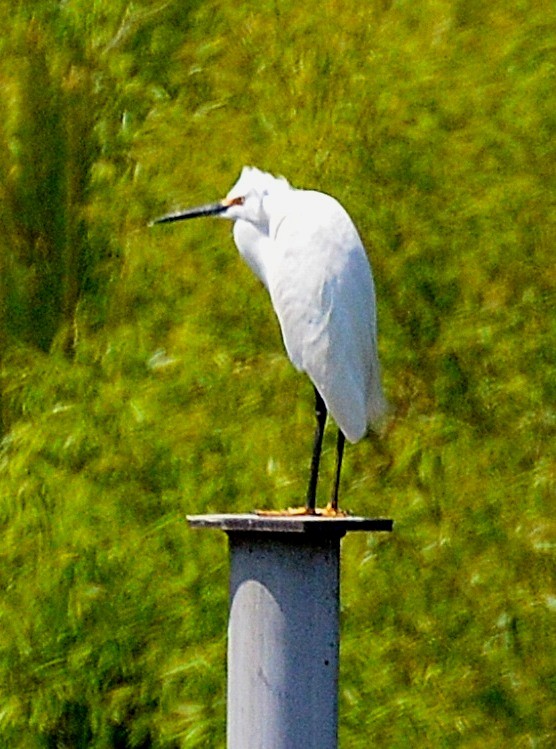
x=322 y=290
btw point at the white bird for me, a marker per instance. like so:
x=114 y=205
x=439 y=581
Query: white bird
x=305 y=249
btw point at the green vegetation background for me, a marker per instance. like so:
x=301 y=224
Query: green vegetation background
x=143 y=376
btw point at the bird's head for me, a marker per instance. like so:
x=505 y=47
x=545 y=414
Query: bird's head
x=245 y=201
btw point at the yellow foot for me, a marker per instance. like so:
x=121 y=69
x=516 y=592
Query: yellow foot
x=327 y=512
x=334 y=512
x=289 y=512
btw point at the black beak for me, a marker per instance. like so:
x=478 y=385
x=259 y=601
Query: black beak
x=211 y=209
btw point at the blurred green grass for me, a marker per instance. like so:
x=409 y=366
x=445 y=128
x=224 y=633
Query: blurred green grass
x=143 y=377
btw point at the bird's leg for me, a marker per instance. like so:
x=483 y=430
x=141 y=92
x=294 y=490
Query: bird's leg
x=320 y=413
x=339 y=455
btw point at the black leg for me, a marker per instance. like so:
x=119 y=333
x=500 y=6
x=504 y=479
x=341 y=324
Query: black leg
x=339 y=455
x=320 y=413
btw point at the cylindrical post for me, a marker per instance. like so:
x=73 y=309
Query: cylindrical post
x=283 y=631
x=283 y=639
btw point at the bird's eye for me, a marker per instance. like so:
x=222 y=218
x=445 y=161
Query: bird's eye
x=237 y=201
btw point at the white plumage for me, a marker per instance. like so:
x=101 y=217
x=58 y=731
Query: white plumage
x=305 y=249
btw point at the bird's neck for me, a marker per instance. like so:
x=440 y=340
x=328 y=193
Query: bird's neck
x=253 y=242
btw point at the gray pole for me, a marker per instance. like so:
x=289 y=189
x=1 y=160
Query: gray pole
x=283 y=631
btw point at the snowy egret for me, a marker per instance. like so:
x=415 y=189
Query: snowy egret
x=305 y=249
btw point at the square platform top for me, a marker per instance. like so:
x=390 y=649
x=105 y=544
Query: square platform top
x=308 y=524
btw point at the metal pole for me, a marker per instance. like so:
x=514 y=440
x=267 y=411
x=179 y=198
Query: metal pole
x=283 y=642
x=283 y=631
